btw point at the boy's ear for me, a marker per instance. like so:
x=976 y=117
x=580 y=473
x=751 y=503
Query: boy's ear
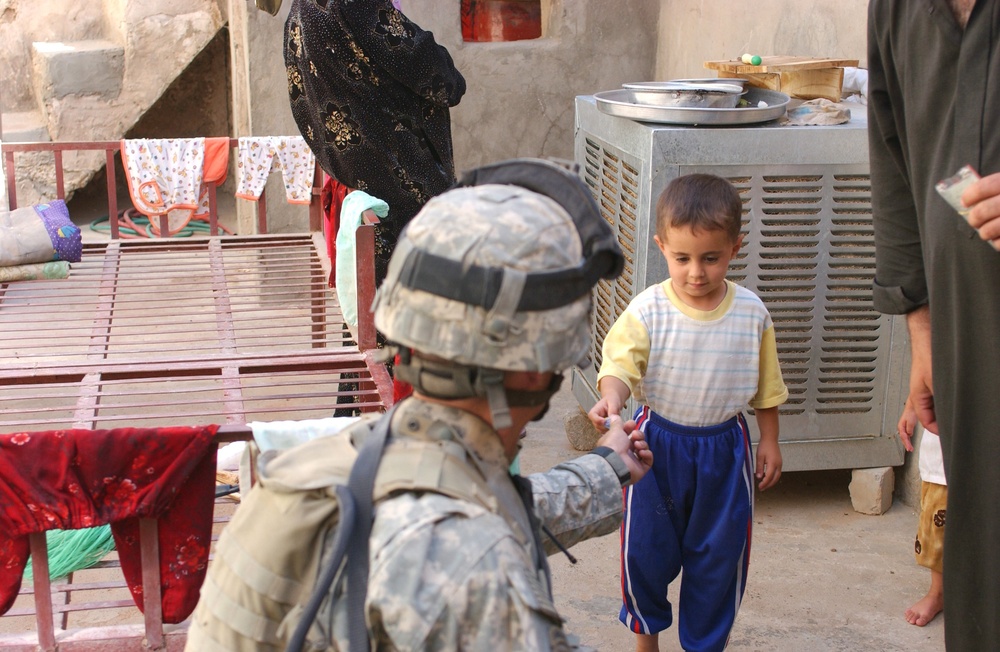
x=738 y=244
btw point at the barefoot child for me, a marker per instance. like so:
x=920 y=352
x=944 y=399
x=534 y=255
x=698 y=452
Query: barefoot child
x=695 y=350
x=929 y=545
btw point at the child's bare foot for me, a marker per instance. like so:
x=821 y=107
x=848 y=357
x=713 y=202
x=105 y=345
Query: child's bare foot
x=925 y=609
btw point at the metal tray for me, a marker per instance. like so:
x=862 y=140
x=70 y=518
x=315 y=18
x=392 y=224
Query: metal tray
x=623 y=103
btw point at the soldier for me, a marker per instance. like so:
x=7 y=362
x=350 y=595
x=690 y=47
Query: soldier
x=487 y=300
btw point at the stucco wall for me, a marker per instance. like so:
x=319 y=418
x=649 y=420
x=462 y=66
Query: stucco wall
x=694 y=31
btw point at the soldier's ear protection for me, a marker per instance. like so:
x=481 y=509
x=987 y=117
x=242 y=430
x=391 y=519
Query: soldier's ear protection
x=480 y=286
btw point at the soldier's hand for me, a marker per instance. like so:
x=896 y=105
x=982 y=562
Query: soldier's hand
x=630 y=444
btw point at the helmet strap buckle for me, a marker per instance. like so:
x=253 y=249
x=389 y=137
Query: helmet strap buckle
x=498 y=321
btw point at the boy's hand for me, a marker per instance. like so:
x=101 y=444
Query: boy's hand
x=768 y=464
x=603 y=410
x=614 y=393
x=907 y=422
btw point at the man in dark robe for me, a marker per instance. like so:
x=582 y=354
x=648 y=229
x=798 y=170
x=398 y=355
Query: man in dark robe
x=934 y=92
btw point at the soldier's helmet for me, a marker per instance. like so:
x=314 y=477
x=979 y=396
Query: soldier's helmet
x=496 y=275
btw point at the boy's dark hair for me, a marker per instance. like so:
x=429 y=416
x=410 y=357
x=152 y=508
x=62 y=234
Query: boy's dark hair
x=701 y=202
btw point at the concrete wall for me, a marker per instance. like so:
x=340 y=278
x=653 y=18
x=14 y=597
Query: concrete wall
x=694 y=31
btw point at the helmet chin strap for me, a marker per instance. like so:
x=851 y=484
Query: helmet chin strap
x=450 y=381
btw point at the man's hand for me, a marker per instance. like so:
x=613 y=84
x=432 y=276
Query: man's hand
x=631 y=446
x=983 y=200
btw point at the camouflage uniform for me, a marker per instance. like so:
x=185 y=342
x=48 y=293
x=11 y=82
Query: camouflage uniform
x=446 y=573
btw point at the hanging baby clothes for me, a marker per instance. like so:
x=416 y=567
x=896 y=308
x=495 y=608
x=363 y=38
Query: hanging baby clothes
x=215 y=170
x=68 y=479
x=164 y=176
x=259 y=155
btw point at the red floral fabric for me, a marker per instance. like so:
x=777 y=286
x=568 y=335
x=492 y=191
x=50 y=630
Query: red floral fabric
x=70 y=479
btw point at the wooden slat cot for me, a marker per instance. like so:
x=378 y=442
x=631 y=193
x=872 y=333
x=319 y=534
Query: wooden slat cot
x=169 y=331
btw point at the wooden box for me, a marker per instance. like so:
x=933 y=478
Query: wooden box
x=799 y=77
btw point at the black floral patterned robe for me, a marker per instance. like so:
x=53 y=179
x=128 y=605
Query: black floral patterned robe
x=370 y=92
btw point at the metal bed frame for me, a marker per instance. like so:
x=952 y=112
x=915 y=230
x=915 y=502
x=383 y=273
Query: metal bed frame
x=169 y=331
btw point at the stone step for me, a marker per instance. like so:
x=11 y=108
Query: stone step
x=93 y=67
x=24 y=127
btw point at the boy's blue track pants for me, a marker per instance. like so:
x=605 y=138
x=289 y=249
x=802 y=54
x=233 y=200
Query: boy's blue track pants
x=694 y=511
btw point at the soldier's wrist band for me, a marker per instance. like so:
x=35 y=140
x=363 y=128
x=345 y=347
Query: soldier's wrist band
x=616 y=462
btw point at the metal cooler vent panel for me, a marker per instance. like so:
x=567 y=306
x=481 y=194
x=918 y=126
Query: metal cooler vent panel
x=809 y=254
x=614 y=179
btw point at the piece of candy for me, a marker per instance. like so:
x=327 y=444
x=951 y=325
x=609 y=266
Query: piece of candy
x=750 y=59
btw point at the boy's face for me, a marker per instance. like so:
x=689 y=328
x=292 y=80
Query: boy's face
x=698 y=263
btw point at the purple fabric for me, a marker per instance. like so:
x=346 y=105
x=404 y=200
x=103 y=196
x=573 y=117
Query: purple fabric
x=66 y=237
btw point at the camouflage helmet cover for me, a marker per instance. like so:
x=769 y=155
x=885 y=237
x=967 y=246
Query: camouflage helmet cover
x=493 y=226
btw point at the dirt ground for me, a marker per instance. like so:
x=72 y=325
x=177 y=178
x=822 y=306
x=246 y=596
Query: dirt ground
x=822 y=576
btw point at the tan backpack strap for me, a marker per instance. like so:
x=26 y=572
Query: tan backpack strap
x=437 y=466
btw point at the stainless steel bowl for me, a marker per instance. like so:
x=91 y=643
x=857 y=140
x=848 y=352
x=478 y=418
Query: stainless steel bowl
x=685 y=94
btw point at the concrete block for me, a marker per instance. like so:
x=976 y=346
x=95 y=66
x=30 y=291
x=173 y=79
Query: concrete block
x=581 y=432
x=77 y=68
x=871 y=490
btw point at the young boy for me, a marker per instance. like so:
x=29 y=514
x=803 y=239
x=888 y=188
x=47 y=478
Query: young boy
x=928 y=548
x=695 y=350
